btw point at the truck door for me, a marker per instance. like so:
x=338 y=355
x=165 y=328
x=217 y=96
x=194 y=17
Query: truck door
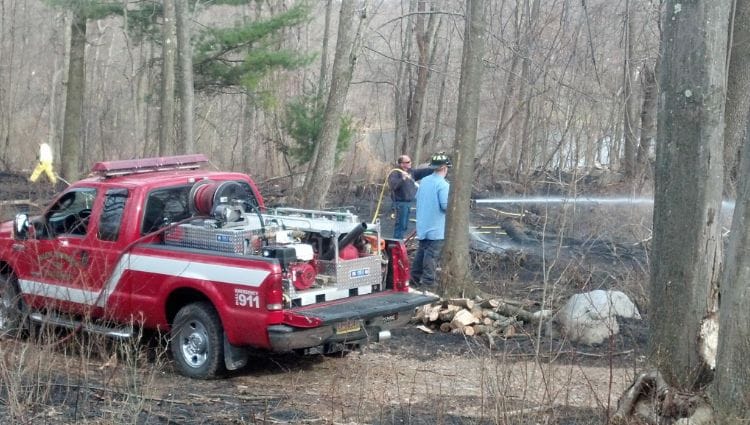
x=54 y=262
x=105 y=251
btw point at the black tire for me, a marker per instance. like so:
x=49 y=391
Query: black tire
x=197 y=342
x=12 y=310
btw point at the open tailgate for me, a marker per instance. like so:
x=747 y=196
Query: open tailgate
x=367 y=306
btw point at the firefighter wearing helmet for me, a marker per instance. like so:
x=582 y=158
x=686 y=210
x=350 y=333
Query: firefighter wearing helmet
x=432 y=204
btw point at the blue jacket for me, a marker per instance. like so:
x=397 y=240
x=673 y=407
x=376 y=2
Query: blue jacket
x=432 y=203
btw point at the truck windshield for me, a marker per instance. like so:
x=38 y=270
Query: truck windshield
x=70 y=214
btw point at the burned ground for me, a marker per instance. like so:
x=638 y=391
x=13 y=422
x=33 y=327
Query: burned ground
x=535 y=254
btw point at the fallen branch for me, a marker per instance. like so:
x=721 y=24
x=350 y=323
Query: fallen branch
x=516 y=231
x=572 y=353
x=509 y=310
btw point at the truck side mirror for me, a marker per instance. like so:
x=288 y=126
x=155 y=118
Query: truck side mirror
x=21 y=226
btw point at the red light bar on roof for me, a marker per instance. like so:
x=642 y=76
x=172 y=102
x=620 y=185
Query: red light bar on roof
x=145 y=165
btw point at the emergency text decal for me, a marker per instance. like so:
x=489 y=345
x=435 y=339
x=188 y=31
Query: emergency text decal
x=246 y=298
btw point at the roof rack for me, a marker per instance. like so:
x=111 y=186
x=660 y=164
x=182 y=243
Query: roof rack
x=145 y=165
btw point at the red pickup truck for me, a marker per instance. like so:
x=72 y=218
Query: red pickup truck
x=161 y=243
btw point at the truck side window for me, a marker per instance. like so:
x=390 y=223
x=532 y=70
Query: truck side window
x=70 y=214
x=251 y=201
x=165 y=206
x=111 y=218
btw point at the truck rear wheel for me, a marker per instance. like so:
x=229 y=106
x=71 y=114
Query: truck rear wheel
x=197 y=341
x=11 y=307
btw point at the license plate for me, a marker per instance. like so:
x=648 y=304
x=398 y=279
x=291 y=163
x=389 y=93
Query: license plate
x=347 y=327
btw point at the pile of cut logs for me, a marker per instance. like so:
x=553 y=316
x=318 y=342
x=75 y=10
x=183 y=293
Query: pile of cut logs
x=489 y=317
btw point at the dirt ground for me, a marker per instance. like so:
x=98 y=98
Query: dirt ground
x=414 y=378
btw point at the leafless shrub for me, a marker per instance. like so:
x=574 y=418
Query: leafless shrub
x=67 y=376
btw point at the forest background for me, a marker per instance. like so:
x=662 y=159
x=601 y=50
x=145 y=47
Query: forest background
x=509 y=87
x=557 y=79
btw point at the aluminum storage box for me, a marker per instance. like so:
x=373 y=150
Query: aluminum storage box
x=234 y=240
x=353 y=273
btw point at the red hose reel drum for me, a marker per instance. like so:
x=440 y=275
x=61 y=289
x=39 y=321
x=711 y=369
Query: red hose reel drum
x=206 y=195
x=202 y=197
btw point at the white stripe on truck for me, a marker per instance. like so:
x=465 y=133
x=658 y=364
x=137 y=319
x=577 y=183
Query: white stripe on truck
x=158 y=265
x=57 y=292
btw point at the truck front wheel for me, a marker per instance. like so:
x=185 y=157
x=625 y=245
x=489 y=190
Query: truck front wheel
x=11 y=307
x=197 y=341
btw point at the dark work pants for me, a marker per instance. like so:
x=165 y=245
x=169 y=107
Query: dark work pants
x=425 y=262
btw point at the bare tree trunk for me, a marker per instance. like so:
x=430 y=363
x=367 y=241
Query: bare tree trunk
x=317 y=186
x=523 y=171
x=322 y=85
x=531 y=11
x=418 y=155
x=70 y=151
x=615 y=143
x=687 y=201
x=7 y=21
x=144 y=87
x=499 y=142
x=521 y=52
x=248 y=114
x=416 y=106
x=323 y=77
x=52 y=122
x=402 y=90
x=738 y=103
x=96 y=143
x=273 y=157
x=456 y=279
x=730 y=391
x=630 y=110
x=648 y=117
x=187 y=95
x=56 y=106
x=731 y=387
x=243 y=135
x=313 y=164
x=166 y=124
